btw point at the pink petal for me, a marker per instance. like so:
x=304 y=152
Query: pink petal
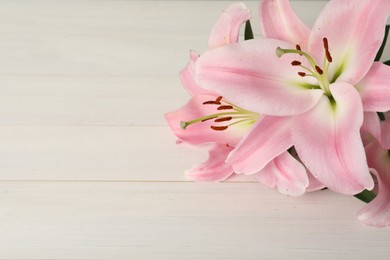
x=227 y=28
x=215 y=168
x=371 y=128
x=355 y=31
x=385 y=133
x=279 y=21
x=286 y=174
x=327 y=140
x=374 y=88
x=314 y=184
x=187 y=78
x=377 y=212
x=201 y=132
x=253 y=77
x=268 y=138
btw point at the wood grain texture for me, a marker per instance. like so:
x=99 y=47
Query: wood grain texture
x=89 y=169
x=98 y=220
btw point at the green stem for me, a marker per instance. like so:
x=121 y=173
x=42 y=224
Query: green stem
x=365 y=196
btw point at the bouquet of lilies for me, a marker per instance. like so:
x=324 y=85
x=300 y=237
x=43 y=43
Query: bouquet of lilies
x=301 y=109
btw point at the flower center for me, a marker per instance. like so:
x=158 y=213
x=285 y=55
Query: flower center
x=315 y=71
x=232 y=115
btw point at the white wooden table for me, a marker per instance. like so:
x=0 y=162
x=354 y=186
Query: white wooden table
x=89 y=169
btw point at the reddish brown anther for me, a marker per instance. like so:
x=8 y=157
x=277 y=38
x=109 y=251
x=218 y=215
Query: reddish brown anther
x=219 y=99
x=328 y=56
x=326 y=46
x=223 y=119
x=319 y=70
x=211 y=102
x=224 y=107
x=296 y=63
x=302 y=74
x=298 y=48
x=218 y=128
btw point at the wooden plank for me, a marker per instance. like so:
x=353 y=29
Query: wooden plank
x=94 y=220
x=88 y=100
x=136 y=153
x=109 y=38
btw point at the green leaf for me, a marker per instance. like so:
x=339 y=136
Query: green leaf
x=381 y=116
x=248 y=34
x=365 y=196
x=380 y=51
x=387 y=62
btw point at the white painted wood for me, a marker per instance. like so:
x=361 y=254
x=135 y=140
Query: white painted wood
x=97 y=220
x=134 y=153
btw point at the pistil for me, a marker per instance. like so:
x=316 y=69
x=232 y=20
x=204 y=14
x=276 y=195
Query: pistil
x=234 y=115
x=321 y=74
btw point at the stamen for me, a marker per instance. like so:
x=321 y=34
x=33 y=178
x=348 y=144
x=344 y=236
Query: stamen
x=326 y=46
x=219 y=99
x=223 y=119
x=298 y=48
x=296 y=63
x=302 y=74
x=218 y=128
x=211 y=102
x=224 y=107
x=328 y=56
x=319 y=70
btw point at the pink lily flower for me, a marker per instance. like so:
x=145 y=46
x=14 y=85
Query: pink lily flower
x=323 y=79
x=205 y=115
x=377 y=212
x=209 y=118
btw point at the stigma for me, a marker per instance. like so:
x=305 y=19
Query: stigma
x=227 y=115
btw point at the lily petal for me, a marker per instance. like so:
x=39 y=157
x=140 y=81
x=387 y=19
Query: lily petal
x=371 y=128
x=227 y=28
x=253 y=67
x=355 y=31
x=314 y=184
x=279 y=21
x=187 y=78
x=201 y=132
x=385 y=131
x=215 y=168
x=374 y=88
x=286 y=174
x=269 y=137
x=328 y=141
x=377 y=212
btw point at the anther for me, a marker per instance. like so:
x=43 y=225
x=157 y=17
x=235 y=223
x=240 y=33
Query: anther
x=302 y=74
x=211 y=102
x=328 y=56
x=298 y=48
x=326 y=46
x=224 y=107
x=219 y=99
x=319 y=70
x=223 y=119
x=296 y=63
x=218 y=128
